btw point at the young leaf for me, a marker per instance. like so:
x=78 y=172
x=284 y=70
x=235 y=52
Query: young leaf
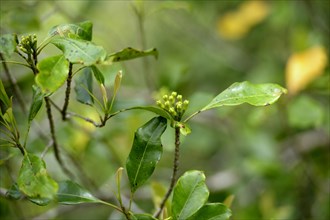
x=53 y=72
x=131 y=53
x=82 y=30
x=38 y=98
x=84 y=81
x=146 y=152
x=246 y=92
x=212 y=211
x=71 y=193
x=190 y=194
x=80 y=51
x=98 y=74
x=156 y=110
x=4 y=97
x=34 y=181
x=143 y=217
x=7 y=44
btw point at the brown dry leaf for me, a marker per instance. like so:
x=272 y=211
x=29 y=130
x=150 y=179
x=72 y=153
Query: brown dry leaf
x=236 y=24
x=302 y=68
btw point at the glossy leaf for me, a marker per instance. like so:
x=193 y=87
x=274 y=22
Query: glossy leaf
x=84 y=82
x=98 y=74
x=7 y=44
x=189 y=195
x=246 y=92
x=38 y=98
x=71 y=193
x=34 y=181
x=53 y=72
x=146 y=152
x=82 y=30
x=131 y=53
x=80 y=51
x=212 y=211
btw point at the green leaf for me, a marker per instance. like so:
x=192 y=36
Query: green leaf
x=82 y=30
x=246 y=92
x=143 y=217
x=71 y=193
x=131 y=53
x=98 y=75
x=80 y=51
x=313 y=114
x=14 y=193
x=53 y=72
x=84 y=81
x=146 y=152
x=34 y=181
x=156 y=110
x=212 y=211
x=38 y=98
x=184 y=128
x=8 y=44
x=4 y=97
x=190 y=194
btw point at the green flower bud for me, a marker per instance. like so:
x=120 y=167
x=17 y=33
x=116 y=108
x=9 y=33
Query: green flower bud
x=179 y=97
x=167 y=105
x=171 y=99
x=178 y=106
x=165 y=97
x=174 y=94
x=185 y=104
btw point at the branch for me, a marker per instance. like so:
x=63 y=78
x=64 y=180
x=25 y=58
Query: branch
x=13 y=83
x=175 y=171
x=52 y=132
x=67 y=93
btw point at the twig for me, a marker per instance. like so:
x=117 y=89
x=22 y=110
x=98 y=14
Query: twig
x=13 y=83
x=67 y=93
x=52 y=132
x=174 y=174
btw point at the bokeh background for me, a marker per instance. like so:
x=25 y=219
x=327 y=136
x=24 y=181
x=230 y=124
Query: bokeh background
x=274 y=160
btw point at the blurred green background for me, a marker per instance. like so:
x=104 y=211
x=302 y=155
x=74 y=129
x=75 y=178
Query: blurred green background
x=274 y=160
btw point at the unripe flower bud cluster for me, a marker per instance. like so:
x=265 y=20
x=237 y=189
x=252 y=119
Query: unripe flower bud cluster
x=174 y=104
x=28 y=44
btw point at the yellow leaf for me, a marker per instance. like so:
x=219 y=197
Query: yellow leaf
x=236 y=24
x=302 y=68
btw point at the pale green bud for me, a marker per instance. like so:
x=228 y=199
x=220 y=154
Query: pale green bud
x=171 y=99
x=179 y=97
x=167 y=104
x=165 y=97
x=174 y=94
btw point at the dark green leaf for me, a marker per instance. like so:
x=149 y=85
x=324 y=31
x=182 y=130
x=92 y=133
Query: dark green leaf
x=53 y=72
x=7 y=44
x=190 y=194
x=146 y=152
x=80 y=51
x=38 y=98
x=72 y=193
x=82 y=30
x=34 y=181
x=13 y=192
x=40 y=201
x=98 y=74
x=84 y=81
x=131 y=53
x=212 y=211
x=246 y=92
